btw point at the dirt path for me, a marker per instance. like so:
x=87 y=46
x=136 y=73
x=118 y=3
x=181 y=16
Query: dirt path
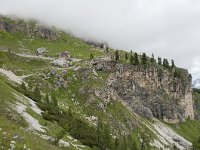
x=34 y=56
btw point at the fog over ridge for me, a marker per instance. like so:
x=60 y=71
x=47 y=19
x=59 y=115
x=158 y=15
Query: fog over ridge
x=166 y=28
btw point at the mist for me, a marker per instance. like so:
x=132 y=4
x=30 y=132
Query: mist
x=167 y=28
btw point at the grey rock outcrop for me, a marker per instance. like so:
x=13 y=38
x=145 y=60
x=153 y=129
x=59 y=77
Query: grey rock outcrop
x=6 y=26
x=150 y=91
x=30 y=28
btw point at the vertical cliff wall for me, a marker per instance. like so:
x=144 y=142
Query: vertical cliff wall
x=150 y=91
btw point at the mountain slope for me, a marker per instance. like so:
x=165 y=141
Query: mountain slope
x=78 y=96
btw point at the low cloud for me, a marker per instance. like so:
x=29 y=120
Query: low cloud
x=166 y=28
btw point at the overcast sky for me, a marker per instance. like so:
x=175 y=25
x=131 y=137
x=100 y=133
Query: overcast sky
x=167 y=28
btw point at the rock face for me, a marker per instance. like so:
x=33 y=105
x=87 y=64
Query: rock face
x=29 y=28
x=44 y=32
x=150 y=91
x=6 y=26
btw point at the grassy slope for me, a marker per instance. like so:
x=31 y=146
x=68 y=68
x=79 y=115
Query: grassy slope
x=115 y=109
x=9 y=130
x=20 y=65
x=21 y=43
x=11 y=124
x=188 y=129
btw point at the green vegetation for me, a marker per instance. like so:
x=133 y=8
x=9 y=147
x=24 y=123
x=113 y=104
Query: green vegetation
x=152 y=60
x=13 y=133
x=159 y=61
x=91 y=56
x=21 y=65
x=189 y=129
x=196 y=144
x=136 y=60
x=131 y=59
x=19 y=42
x=165 y=63
x=12 y=125
x=4 y=34
x=67 y=107
x=116 y=55
x=126 y=56
x=172 y=63
x=177 y=73
x=144 y=59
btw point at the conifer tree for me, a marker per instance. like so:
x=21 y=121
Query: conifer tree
x=165 y=63
x=37 y=94
x=196 y=144
x=116 y=146
x=124 y=143
x=24 y=89
x=91 y=56
x=159 y=61
x=132 y=143
x=47 y=99
x=70 y=117
x=107 y=137
x=103 y=135
x=54 y=101
x=99 y=133
x=144 y=59
x=172 y=63
x=116 y=55
x=152 y=60
x=131 y=59
x=126 y=56
x=136 y=60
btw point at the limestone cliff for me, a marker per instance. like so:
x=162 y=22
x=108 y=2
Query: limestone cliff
x=150 y=90
x=30 y=28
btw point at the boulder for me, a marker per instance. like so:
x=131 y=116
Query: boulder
x=41 y=51
x=65 y=55
x=61 y=62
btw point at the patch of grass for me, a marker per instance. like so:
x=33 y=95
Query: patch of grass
x=5 y=92
x=19 y=42
x=189 y=129
x=120 y=113
x=12 y=132
x=20 y=65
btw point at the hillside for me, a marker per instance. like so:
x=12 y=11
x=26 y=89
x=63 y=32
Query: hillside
x=72 y=94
